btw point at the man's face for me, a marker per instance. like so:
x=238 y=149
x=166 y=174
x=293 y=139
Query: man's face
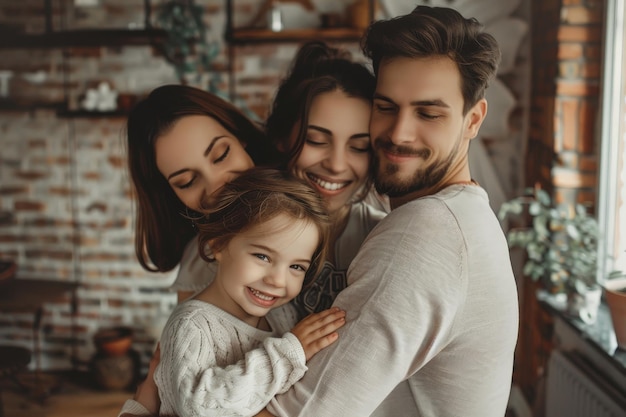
x=419 y=134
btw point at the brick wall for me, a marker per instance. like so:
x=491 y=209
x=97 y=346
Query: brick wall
x=562 y=154
x=567 y=49
x=65 y=207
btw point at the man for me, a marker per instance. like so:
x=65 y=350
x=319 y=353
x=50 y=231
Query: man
x=432 y=313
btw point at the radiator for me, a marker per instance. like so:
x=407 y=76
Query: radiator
x=576 y=389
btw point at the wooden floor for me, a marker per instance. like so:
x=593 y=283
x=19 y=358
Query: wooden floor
x=71 y=395
x=75 y=395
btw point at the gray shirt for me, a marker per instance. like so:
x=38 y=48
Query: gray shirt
x=432 y=319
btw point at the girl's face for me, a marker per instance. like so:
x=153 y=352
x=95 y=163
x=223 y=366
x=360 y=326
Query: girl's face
x=336 y=153
x=264 y=267
x=197 y=156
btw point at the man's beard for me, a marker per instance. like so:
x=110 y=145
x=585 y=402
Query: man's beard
x=387 y=182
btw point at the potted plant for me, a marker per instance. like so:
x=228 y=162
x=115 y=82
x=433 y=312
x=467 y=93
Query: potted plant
x=186 y=48
x=561 y=244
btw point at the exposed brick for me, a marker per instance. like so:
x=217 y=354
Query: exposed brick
x=581 y=15
x=593 y=52
x=569 y=110
x=13 y=190
x=577 y=88
x=60 y=191
x=579 y=34
x=588 y=163
x=591 y=70
x=586 y=126
x=572 y=179
x=11 y=238
x=570 y=50
x=23 y=205
x=117 y=161
x=37 y=144
x=49 y=254
x=31 y=175
x=95 y=176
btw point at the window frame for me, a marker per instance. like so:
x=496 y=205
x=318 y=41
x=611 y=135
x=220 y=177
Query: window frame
x=611 y=204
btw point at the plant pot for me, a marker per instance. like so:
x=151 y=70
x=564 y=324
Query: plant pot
x=114 y=341
x=615 y=292
x=585 y=304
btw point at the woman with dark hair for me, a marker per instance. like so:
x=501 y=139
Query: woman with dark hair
x=320 y=121
x=183 y=144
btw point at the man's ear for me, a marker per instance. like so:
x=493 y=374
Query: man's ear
x=475 y=117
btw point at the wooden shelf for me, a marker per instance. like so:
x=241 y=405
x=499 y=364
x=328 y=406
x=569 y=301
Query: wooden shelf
x=84 y=38
x=247 y=36
x=86 y=114
x=9 y=105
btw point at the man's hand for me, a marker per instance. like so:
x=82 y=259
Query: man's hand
x=317 y=331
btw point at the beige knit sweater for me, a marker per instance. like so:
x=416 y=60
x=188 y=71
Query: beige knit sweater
x=213 y=364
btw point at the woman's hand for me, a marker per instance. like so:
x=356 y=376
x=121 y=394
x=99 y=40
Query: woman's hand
x=317 y=331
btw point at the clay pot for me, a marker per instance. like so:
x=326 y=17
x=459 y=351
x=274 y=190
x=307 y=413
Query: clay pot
x=114 y=341
x=615 y=293
x=113 y=372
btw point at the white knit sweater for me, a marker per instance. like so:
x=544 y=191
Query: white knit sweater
x=213 y=364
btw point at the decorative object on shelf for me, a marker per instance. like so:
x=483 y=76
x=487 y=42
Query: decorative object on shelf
x=272 y=13
x=186 y=47
x=615 y=293
x=561 y=245
x=275 y=17
x=101 y=98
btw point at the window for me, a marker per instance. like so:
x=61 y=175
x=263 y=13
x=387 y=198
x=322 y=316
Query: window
x=612 y=182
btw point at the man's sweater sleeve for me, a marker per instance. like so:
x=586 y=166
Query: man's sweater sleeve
x=401 y=303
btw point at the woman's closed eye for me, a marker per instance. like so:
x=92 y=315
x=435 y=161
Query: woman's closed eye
x=313 y=142
x=223 y=156
x=187 y=184
x=361 y=148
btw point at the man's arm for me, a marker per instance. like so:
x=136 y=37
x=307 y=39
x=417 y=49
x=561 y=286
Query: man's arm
x=399 y=313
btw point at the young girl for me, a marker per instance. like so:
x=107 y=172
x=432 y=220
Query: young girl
x=221 y=354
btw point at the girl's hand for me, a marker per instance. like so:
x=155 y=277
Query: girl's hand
x=318 y=330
